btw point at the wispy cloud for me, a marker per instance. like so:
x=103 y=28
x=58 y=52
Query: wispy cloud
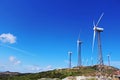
x=17 y=49
x=7 y=38
x=14 y=60
x=12 y=64
x=15 y=66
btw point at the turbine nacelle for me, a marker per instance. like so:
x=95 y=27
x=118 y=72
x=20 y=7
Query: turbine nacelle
x=69 y=52
x=98 y=29
x=78 y=41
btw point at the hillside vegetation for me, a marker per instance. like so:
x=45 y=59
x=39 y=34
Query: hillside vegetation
x=62 y=73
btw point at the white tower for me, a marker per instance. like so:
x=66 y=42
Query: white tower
x=69 y=53
x=79 y=42
x=108 y=60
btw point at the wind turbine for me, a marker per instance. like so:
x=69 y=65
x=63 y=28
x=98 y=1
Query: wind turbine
x=108 y=59
x=69 y=53
x=98 y=30
x=79 y=42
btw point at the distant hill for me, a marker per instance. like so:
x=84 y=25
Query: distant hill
x=9 y=73
x=61 y=73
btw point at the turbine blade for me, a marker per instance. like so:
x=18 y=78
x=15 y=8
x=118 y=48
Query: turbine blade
x=94 y=24
x=99 y=19
x=93 y=40
x=93 y=35
x=79 y=36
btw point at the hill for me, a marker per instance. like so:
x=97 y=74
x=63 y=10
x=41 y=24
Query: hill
x=62 y=73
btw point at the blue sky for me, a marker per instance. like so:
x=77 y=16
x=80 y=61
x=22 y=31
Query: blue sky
x=37 y=34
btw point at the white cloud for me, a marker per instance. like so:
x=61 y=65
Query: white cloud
x=17 y=62
x=24 y=68
x=33 y=68
x=14 y=61
x=49 y=67
x=11 y=58
x=14 y=65
x=7 y=38
x=37 y=68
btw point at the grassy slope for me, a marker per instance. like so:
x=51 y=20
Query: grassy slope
x=62 y=73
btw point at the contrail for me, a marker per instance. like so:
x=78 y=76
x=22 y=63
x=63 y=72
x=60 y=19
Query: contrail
x=17 y=49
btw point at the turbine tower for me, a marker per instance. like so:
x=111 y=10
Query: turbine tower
x=98 y=30
x=69 y=53
x=108 y=60
x=79 y=42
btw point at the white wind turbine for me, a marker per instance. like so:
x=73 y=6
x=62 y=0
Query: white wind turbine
x=108 y=59
x=69 y=53
x=97 y=31
x=79 y=42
